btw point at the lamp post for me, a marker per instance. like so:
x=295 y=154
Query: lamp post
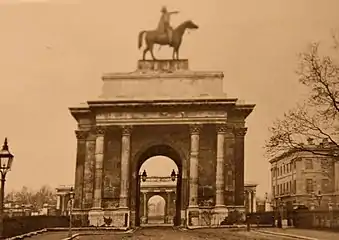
x=6 y=160
x=173 y=175
x=318 y=197
x=142 y=178
x=280 y=205
x=70 y=202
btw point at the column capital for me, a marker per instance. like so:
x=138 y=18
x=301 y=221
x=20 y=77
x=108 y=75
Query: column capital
x=195 y=128
x=100 y=130
x=126 y=129
x=81 y=134
x=240 y=132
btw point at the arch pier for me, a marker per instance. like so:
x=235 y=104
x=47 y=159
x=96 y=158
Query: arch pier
x=161 y=108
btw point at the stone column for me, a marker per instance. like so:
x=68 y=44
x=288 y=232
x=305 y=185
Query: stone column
x=145 y=205
x=79 y=170
x=239 y=165
x=229 y=166
x=194 y=163
x=249 y=195
x=58 y=202
x=125 y=164
x=168 y=216
x=220 y=179
x=254 y=202
x=89 y=171
x=99 y=160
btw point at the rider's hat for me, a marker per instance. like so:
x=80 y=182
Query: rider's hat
x=163 y=9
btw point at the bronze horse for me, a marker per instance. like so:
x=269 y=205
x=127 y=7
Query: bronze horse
x=154 y=37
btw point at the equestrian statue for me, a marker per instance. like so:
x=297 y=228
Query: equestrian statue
x=165 y=34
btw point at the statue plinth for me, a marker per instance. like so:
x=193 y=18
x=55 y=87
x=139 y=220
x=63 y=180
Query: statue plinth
x=164 y=80
x=166 y=65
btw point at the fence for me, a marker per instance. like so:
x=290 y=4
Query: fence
x=21 y=225
x=317 y=219
x=261 y=218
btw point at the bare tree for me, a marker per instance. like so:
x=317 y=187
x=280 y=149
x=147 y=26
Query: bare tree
x=317 y=118
x=36 y=198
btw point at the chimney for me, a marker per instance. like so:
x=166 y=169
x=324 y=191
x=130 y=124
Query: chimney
x=325 y=142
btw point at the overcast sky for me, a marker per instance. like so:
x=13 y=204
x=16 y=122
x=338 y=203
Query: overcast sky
x=52 y=56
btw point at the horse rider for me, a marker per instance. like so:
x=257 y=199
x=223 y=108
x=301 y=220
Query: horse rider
x=164 y=23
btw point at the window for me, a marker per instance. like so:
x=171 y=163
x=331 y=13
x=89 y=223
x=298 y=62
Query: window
x=325 y=164
x=294 y=186
x=295 y=165
x=325 y=185
x=309 y=185
x=308 y=164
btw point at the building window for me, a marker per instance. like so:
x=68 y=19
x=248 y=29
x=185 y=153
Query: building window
x=308 y=164
x=325 y=164
x=294 y=186
x=309 y=185
x=325 y=185
x=295 y=165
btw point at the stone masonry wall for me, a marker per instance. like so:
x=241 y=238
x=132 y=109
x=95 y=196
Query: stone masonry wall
x=207 y=165
x=111 y=184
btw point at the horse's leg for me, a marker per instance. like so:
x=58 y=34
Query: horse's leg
x=176 y=50
x=173 y=54
x=151 y=50
x=144 y=53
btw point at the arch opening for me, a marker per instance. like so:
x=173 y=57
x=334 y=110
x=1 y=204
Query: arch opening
x=156 y=208
x=159 y=170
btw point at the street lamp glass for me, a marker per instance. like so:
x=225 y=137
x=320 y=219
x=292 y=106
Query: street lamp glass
x=71 y=194
x=6 y=158
x=144 y=176
x=173 y=175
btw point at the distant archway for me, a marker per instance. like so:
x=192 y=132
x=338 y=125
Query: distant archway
x=156 y=209
x=142 y=157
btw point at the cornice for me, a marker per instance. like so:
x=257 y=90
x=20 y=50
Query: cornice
x=141 y=75
x=167 y=102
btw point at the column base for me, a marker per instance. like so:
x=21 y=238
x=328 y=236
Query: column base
x=220 y=213
x=96 y=217
x=236 y=214
x=193 y=215
x=119 y=218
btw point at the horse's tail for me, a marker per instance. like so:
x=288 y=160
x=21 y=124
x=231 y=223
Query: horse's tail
x=141 y=34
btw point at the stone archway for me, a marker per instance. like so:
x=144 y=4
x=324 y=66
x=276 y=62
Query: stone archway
x=140 y=114
x=143 y=155
x=158 y=213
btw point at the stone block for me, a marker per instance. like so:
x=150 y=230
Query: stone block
x=156 y=79
x=166 y=65
x=96 y=217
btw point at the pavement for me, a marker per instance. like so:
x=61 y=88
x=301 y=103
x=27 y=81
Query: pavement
x=302 y=233
x=167 y=233
x=164 y=233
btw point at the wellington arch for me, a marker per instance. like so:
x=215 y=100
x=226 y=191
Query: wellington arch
x=161 y=108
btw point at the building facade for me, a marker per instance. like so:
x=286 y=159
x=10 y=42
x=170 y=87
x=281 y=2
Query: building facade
x=304 y=178
x=162 y=108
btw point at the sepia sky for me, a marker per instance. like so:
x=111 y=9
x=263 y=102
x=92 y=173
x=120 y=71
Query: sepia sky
x=53 y=53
